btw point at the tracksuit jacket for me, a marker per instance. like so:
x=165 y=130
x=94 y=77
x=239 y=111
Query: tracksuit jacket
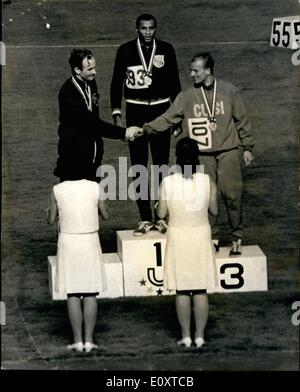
x=233 y=125
x=80 y=146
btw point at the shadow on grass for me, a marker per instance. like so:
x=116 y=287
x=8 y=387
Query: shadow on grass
x=147 y=326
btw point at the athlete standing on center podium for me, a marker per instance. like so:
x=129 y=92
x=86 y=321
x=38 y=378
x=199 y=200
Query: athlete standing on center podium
x=147 y=69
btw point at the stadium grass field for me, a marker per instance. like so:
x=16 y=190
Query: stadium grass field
x=251 y=331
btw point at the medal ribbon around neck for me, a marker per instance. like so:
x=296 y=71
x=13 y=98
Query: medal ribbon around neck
x=142 y=57
x=87 y=101
x=212 y=111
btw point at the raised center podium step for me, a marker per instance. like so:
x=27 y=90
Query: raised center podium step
x=142 y=258
x=137 y=268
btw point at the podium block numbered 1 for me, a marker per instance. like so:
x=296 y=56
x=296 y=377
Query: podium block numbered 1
x=142 y=263
x=137 y=268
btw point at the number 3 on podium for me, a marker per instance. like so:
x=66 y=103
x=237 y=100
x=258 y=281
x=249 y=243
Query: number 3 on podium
x=237 y=276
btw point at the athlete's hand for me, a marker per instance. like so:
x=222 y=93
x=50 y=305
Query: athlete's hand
x=147 y=129
x=176 y=130
x=118 y=121
x=248 y=157
x=132 y=133
x=139 y=133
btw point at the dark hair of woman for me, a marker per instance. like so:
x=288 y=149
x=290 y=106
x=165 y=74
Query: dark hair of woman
x=187 y=156
x=76 y=172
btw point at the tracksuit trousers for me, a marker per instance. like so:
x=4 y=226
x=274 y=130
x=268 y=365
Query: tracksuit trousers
x=138 y=115
x=224 y=168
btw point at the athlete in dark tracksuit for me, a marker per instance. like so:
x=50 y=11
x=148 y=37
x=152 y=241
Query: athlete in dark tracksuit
x=80 y=145
x=80 y=131
x=137 y=62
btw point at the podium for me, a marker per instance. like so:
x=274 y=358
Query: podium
x=247 y=272
x=114 y=277
x=142 y=263
x=137 y=268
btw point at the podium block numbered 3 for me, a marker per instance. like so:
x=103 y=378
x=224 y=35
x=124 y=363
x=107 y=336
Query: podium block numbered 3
x=137 y=268
x=247 y=272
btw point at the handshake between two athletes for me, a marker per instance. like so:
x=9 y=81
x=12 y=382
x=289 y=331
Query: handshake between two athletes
x=135 y=132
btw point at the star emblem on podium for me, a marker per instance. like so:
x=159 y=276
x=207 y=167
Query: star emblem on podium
x=148 y=287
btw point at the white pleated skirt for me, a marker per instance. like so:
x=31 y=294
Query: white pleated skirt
x=189 y=258
x=80 y=266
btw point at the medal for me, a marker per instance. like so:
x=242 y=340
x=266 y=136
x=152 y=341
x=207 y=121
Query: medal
x=147 y=77
x=211 y=112
x=213 y=125
x=88 y=99
x=148 y=80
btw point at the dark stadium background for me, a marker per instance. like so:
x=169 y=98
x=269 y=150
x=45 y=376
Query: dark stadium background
x=250 y=331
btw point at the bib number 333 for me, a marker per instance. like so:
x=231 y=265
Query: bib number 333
x=200 y=131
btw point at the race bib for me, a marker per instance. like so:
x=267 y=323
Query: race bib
x=198 y=129
x=135 y=77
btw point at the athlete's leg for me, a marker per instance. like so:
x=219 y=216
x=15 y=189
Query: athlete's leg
x=160 y=150
x=231 y=184
x=210 y=167
x=159 y=146
x=138 y=149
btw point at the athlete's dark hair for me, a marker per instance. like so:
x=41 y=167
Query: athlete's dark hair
x=145 y=17
x=187 y=154
x=77 y=56
x=207 y=58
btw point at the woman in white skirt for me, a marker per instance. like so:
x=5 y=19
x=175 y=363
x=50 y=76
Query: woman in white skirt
x=189 y=263
x=80 y=267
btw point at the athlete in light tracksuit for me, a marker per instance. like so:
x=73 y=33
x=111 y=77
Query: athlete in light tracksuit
x=213 y=113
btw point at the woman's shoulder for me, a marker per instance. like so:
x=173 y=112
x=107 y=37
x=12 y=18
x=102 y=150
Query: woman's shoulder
x=101 y=192
x=92 y=187
x=77 y=184
x=169 y=178
x=200 y=176
x=58 y=187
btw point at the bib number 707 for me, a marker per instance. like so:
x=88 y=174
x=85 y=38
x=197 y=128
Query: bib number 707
x=198 y=129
